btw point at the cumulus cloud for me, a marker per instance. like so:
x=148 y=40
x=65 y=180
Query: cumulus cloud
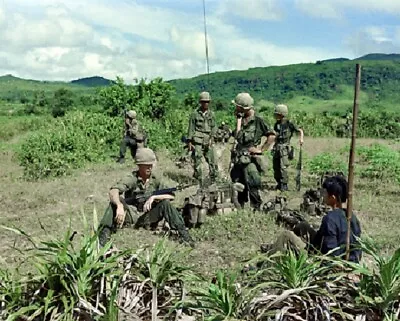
x=375 y=39
x=334 y=9
x=65 y=40
x=252 y=9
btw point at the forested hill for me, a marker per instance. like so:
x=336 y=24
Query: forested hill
x=321 y=80
x=331 y=79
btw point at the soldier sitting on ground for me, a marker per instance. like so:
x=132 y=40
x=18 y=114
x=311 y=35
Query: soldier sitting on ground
x=122 y=213
x=134 y=136
x=331 y=236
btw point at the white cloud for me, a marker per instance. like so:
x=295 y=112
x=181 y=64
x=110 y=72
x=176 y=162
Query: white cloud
x=334 y=9
x=252 y=9
x=375 y=39
x=2 y=17
x=66 y=40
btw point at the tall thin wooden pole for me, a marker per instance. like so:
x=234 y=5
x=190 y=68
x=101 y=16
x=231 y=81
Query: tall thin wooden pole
x=351 y=159
x=206 y=42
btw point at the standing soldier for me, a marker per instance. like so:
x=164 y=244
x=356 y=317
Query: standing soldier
x=245 y=156
x=147 y=212
x=201 y=133
x=284 y=130
x=133 y=136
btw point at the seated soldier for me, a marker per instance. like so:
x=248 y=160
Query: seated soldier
x=332 y=232
x=147 y=214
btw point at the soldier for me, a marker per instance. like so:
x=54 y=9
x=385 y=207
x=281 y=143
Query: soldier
x=201 y=134
x=331 y=236
x=245 y=156
x=284 y=130
x=223 y=133
x=147 y=214
x=133 y=135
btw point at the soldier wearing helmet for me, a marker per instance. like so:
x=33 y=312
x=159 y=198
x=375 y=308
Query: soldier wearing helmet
x=284 y=130
x=131 y=203
x=246 y=155
x=223 y=133
x=134 y=136
x=201 y=135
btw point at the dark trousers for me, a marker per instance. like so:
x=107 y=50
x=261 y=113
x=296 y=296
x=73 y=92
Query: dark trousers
x=128 y=142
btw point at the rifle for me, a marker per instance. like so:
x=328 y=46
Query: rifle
x=140 y=198
x=299 y=168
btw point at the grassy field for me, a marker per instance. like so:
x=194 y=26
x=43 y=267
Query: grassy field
x=44 y=209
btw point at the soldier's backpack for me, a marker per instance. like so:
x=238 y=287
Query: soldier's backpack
x=213 y=199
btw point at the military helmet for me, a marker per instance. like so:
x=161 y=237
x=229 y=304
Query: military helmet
x=244 y=100
x=145 y=156
x=204 y=96
x=281 y=110
x=131 y=114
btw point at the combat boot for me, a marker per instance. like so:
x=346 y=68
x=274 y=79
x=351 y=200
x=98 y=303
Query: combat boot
x=104 y=236
x=185 y=238
x=121 y=160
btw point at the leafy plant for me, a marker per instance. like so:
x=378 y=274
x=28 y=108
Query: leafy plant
x=71 y=142
x=70 y=282
x=382 y=162
x=222 y=299
x=325 y=162
x=153 y=278
x=379 y=287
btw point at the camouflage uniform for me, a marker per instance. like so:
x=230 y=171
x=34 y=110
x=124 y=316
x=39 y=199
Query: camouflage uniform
x=201 y=133
x=132 y=185
x=223 y=133
x=134 y=136
x=284 y=130
x=246 y=167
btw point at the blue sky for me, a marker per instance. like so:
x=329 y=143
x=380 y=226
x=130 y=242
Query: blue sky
x=68 y=39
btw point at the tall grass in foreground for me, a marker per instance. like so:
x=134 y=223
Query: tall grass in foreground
x=74 y=279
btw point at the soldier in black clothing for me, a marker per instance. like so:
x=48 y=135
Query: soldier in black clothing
x=331 y=235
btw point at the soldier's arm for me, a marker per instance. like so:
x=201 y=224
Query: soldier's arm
x=114 y=197
x=119 y=188
x=214 y=127
x=266 y=132
x=294 y=128
x=192 y=127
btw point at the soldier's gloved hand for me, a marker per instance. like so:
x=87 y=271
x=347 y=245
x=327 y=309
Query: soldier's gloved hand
x=149 y=203
x=120 y=216
x=190 y=146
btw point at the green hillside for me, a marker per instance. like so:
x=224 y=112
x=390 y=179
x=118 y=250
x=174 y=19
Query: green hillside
x=321 y=86
x=330 y=80
x=92 y=81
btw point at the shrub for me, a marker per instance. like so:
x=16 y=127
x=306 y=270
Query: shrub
x=383 y=162
x=325 y=162
x=69 y=143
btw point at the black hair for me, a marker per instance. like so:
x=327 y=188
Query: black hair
x=336 y=186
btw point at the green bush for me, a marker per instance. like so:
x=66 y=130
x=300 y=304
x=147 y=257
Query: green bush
x=69 y=143
x=13 y=126
x=383 y=162
x=325 y=162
